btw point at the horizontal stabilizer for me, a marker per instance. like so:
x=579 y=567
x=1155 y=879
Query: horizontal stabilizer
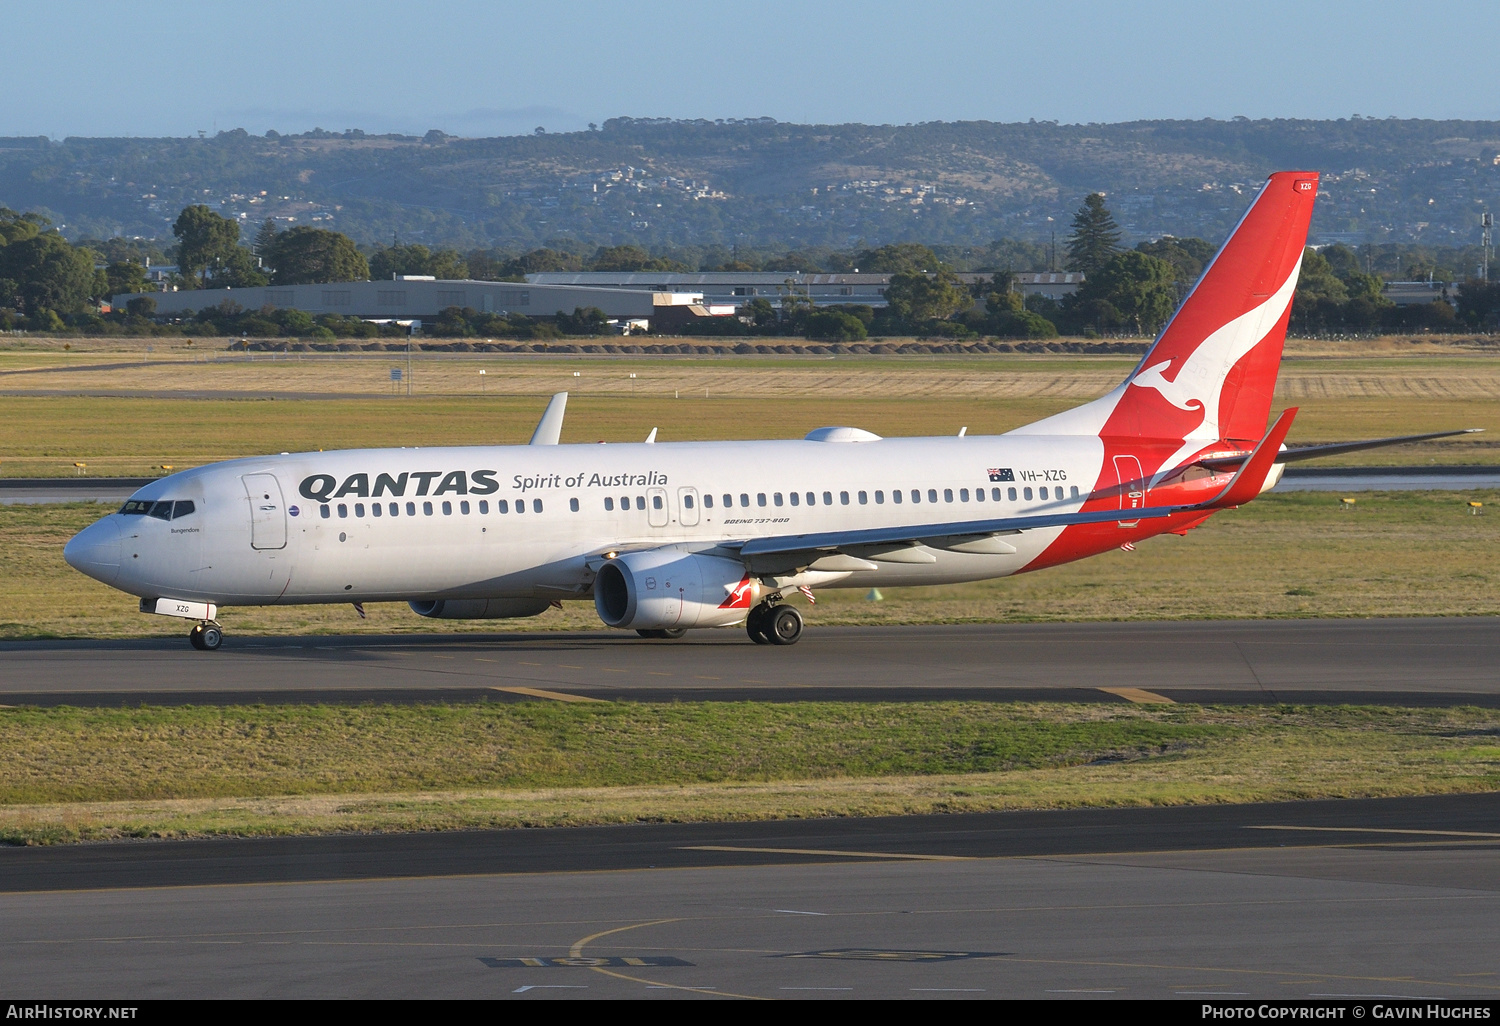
x=1312 y=452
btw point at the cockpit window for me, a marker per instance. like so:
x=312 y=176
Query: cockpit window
x=161 y=509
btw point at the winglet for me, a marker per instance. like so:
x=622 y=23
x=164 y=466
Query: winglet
x=549 y=428
x=651 y=438
x=1251 y=477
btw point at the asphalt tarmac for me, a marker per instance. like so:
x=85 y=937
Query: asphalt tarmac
x=1377 y=898
x=1440 y=661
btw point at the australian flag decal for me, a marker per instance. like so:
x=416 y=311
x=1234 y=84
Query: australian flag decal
x=1002 y=474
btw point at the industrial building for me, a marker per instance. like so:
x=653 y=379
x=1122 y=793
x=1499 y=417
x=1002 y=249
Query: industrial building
x=736 y=288
x=420 y=298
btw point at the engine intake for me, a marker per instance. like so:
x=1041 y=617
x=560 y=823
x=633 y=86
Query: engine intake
x=479 y=609
x=666 y=588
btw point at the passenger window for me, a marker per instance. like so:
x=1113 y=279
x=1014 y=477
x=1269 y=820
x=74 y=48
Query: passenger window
x=427 y=509
x=573 y=505
x=708 y=501
x=609 y=504
x=656 y=502
x=1027 y=493
x=864 y=498
x=812 y=498
x=947 y=495
x=896 y=496
x=162 y=510
x=1074 y=490
x=828 y=499
x=963 y=495
x=394 y=509
x=1042 y=492
x=182 y=508
x=979 y=494
x=796 y=499
x=760 y=498
x=776 y=498
x=1011 y=494
x=359 y=509
x=484 y=505
x=447 y=508
x=640 y=502
x=343 y=511
x=375 y=509
x=536 y=505
x=744 y=499
x=879 y=497
x=323 y=511
x=463 y=507
x=916 y=495
x=411 y=509
x=520 y=505
x=625 y=502
x=501 y=505
x=932 y=495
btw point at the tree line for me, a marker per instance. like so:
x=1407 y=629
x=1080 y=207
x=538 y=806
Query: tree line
x=48 y=284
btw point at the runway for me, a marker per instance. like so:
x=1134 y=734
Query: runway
x=1439 y=661
x=1391 y=897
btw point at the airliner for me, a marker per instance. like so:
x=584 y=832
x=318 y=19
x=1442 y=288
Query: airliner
x=667 y=537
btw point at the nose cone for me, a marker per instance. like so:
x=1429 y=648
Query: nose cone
x=96 y=550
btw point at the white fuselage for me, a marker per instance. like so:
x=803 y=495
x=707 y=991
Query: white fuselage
x=525 y=521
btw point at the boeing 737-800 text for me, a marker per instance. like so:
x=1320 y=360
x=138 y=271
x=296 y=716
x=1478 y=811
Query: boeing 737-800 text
x=666 y=537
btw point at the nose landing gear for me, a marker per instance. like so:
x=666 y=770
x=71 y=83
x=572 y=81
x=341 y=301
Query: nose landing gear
x=207 y=636
x=774 y=625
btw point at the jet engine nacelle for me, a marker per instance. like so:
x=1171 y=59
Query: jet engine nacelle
x=665 y=588
x=479 y=609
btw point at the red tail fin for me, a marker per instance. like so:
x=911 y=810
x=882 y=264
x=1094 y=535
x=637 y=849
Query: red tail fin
x=1211 y=374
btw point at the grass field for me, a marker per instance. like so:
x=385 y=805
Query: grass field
x=44 y=435
x=1290 y=555
x=170 y=772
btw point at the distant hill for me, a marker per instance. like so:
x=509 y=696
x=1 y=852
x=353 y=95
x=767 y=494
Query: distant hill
x=766 y=184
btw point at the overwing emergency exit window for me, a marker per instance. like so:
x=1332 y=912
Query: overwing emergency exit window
x=655 y=503
x=687 y=502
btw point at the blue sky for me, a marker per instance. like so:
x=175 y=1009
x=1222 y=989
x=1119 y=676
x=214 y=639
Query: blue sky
x=492 y=68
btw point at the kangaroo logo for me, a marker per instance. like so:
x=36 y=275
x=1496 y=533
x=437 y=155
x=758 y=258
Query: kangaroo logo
x=1200 y=377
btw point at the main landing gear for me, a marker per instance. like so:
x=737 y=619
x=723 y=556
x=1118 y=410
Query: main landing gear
x=774 y=625
x=667 y=633
x=207 y=636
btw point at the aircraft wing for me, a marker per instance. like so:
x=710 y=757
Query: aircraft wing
x=1312 y=452
x=765 y=554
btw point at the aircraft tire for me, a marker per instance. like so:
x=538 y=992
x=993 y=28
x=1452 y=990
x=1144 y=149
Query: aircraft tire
x=650 y=632
x=673 y=633
x=755 y=625
x=784 y=625
x=195 y=638
x=212 y=636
